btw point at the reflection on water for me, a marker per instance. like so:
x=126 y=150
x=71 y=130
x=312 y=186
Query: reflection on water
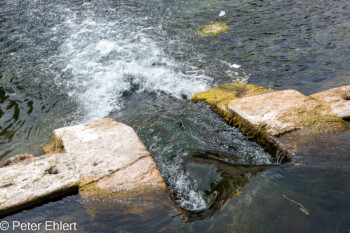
x=226 y=181
x=331 y=151
x=244 y=199
x=261 y=206
x=67 y=62
x=171 y=134
x=151 y=213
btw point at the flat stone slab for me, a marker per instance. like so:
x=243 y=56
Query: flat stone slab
x=264 y=115
x=285 y=111
x=33 y=180
x=272 y=109
x=101 y=148
x=101 y=157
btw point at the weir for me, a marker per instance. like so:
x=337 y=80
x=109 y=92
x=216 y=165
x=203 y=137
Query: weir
x=277 y=120
x=66 y=63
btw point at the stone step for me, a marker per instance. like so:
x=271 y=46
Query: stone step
x=272 y=118
x=100 y=159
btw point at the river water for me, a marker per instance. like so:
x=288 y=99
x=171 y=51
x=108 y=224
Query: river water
x=139 y=62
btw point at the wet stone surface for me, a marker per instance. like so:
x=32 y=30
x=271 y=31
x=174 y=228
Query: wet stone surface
x=103 y=158
x=265 y=117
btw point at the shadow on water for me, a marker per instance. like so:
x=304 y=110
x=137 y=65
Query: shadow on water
x=331 y=151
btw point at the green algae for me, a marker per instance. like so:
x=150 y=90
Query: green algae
x=223 y=94
x=302 y=208
x=213 y=29
x=315 y=121
x=255 y=133
x=54 y=146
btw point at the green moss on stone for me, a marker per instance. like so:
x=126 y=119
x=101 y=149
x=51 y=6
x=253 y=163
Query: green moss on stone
x=221 y=95
x=213 y=29
x=255 y=133
x=92 y=190
x=54 y=146
x=314 y=121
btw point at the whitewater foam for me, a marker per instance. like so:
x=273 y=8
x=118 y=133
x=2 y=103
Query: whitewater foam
x=103 y=61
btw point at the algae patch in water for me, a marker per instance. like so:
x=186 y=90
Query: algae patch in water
x=213 y=29
x=302 y=208
x=2 y=81
x=221 y=95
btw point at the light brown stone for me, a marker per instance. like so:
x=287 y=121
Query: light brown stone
x=103 y=154
x=337 y=100
x=102 y=147
x=273 y=110
x=265 y=115
x=141 y=176
x=36 y=180
x=16 y=159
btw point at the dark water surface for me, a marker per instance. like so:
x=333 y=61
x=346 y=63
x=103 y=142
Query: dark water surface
x=139 y=62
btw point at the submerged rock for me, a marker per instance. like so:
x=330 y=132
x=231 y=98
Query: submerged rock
x=103 y=158
x=233 y=178
x=264 y=115
x=213 y=29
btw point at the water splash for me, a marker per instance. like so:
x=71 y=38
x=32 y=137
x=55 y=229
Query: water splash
x=102 y=60
x=106 y=59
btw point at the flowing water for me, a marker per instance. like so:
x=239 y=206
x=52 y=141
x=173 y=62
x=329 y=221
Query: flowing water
x=139 y=62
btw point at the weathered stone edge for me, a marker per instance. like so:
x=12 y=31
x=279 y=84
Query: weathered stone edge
x=64 y=191
x=255 y=133
x=56 y=146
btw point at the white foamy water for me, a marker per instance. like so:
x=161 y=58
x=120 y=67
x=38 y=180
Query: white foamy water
x=187 y=194
x=104 y=59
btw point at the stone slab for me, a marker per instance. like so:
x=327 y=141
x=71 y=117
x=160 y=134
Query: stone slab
x=337 y=100
x=101 y=148
x=103 y=154
x=36 y=180
x=265 y=115
x=274 y=111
